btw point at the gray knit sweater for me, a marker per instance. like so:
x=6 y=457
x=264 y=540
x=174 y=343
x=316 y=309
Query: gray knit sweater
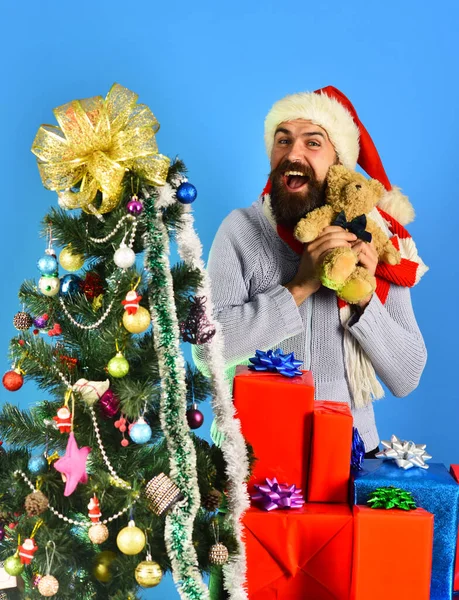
x=248 y=265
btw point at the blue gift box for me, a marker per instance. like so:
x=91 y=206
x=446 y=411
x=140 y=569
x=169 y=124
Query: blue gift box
x=433 y=489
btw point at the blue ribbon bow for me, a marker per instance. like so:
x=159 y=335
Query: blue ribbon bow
x=275 y=362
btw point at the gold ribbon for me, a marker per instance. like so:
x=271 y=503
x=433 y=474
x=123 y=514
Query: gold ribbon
x=97 y=142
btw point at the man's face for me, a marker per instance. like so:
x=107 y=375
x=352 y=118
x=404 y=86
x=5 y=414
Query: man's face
x=301 y=156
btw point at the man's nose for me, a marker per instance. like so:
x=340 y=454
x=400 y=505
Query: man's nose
x=296 y=153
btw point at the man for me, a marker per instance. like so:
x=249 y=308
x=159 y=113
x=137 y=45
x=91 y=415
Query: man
x=264 y=283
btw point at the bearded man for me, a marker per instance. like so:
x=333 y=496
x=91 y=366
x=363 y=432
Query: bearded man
x=264 y=283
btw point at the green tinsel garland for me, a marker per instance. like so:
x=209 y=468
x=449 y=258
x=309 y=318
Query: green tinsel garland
x=179 y=522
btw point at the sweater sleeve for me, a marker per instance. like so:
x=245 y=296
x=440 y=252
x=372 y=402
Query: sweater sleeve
x=249 y=320
x=391 y=339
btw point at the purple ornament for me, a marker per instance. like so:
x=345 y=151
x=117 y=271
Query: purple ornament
x=134 y=206
x=2 y=532
x=109 y=404
x=194 y=417
x=41 y=322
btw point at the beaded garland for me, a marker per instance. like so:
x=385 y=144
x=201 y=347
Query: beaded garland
x=72 y=521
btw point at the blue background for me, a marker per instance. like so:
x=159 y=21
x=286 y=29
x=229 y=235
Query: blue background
x=210 y=74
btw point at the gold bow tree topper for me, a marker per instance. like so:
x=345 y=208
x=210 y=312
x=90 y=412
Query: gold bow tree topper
x=96 y=142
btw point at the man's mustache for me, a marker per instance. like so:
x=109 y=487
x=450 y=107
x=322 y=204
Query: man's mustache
x=288 y=165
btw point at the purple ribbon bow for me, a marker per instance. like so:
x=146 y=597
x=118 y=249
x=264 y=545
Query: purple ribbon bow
x=273 y=495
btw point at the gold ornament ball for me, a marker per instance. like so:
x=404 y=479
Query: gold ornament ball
x=101 y=572
x=105 y=558
x=48 y=586
x=218 y=554
x=139 y=322
x=131 y=540
x=70 y=261
x=98 y=533
x=148 y=573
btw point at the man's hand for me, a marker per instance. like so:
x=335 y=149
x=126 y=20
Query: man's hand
x=305 y=282
x=368 y=258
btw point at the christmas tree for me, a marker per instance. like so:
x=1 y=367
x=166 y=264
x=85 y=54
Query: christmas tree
x=103 y=486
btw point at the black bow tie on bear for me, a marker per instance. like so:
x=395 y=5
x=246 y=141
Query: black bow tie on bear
x=356 y=226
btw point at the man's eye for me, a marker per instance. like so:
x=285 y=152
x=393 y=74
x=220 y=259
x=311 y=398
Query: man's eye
x=283 y=141
x=313 y=143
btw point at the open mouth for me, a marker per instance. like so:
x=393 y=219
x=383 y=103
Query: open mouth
x=294 y=181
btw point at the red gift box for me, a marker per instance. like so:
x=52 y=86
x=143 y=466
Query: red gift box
x=276 y=418
x=454 y=470
x=330 y=468
x=392 y=553
x=300 y=553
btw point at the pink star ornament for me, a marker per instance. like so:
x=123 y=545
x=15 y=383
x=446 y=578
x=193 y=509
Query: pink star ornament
x=73 y=465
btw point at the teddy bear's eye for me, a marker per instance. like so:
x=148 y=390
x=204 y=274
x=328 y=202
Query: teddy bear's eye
x=358 y=187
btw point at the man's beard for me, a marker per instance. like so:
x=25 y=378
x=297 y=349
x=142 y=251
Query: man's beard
x=289 y=207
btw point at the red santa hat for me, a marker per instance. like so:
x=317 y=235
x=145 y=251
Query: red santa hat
x=330 y=109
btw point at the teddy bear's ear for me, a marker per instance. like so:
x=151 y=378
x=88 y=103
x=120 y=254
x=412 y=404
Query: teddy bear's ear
x=377 y=188
x=337 y=178
x=339 y=174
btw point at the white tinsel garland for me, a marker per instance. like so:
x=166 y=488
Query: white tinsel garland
x=233 y=444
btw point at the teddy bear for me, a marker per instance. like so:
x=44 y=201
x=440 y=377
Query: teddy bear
x=349 y=198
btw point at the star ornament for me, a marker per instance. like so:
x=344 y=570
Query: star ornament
x=406 y=454
x=73 y=465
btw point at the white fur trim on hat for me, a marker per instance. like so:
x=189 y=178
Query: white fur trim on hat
x=397 y=206
x=321 y=110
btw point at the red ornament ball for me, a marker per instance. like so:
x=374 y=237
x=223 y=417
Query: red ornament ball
x=125 y=442
x=194 y=417
x=13 y=380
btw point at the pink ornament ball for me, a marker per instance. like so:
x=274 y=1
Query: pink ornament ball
x=109 y=404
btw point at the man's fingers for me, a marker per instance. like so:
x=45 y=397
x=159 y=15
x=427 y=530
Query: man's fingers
x=328 y=245
x=334 y=229
x=345 y=237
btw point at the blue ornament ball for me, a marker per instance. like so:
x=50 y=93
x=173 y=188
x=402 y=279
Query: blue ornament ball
x=70 y=284
x=140 y=432
x=37 y=464
x=48 y=265
x=186 y=193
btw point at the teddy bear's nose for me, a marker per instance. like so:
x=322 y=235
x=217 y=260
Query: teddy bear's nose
x=358 y=186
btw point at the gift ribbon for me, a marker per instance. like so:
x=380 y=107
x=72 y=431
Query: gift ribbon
x=391 y=497
x=356 y=226
x=273 y=495
x=275 y=362
x=405 y=454
x=97 y=142
x=357 y=450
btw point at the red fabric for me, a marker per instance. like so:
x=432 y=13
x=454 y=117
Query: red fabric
x=377 y=573
x=395 y=227
x=369 y=158
x=301 y=553
x=280 y=436
x=287 y=235
x=454 y=469
x=329 y=468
